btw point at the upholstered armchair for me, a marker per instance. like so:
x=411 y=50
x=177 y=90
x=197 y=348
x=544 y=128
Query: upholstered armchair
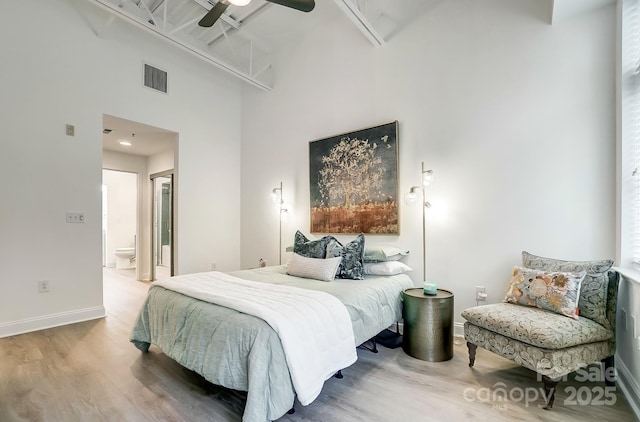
x=553 y=342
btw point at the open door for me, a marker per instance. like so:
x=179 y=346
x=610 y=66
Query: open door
x=162 y=225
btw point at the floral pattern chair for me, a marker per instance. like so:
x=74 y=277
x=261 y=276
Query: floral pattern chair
x=546 y=342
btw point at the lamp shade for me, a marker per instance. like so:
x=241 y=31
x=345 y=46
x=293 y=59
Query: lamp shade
x=427 y=177
x=411 y=197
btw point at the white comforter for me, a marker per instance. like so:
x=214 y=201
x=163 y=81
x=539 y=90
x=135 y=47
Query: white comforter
x=314 y=327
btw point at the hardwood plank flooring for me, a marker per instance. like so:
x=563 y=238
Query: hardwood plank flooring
x=90 y=372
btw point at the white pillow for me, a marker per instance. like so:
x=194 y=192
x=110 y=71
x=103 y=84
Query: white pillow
x=386 y=268
x=384 y=253
x=316 y=268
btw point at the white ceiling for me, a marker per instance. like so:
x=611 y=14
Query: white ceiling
x=146 y=140
x=245 y=39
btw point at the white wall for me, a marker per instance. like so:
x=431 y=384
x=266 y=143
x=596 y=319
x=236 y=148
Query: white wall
x=122 y=211
x=162 y=161
x=57 y=71
x=516 y=118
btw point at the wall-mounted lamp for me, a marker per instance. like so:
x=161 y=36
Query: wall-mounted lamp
x=411 y=198
x=283 y=215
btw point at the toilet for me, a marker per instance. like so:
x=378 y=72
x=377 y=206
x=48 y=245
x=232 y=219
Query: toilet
x=124 y=258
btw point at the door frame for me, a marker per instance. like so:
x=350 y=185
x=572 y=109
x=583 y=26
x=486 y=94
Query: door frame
x=172 y=263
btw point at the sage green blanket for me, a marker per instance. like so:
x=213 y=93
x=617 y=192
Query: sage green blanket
x=242 y=352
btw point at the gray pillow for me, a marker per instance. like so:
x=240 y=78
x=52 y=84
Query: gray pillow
x=384 y=253
x=593 y=292
x=352 y=265
x=310 y=248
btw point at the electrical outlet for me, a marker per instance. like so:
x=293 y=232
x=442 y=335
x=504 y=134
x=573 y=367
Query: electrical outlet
x=213 y=266
x=43 y=286
x=481 y=293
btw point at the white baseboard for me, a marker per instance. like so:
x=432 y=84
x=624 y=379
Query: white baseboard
x=49 y=321
x=629 y=385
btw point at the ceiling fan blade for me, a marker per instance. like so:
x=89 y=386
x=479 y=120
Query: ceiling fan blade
x=302 y=5
x=212 y=15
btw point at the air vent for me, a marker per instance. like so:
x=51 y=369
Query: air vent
x=155 y=78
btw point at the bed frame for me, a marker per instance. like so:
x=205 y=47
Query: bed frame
x=236 y=350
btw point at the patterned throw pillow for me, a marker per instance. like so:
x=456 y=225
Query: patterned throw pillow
x=352 y=265
x=318 y=269
x=593 y=293
x=554 y=291
x=310 y=248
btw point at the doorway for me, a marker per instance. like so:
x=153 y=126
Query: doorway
x=146 y=150
x=119 y=220
x=162 y=225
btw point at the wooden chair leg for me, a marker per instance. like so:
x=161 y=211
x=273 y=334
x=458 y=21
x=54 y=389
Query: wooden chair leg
x=472 y=353
x=550 y=386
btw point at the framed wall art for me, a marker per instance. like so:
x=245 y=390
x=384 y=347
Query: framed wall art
x=354 y=181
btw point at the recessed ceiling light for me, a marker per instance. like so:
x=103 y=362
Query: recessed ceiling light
x=125 y=143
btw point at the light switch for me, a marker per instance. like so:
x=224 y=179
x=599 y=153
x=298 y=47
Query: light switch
x=75 y=217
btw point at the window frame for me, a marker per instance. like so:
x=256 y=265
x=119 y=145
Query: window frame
x=628 y=137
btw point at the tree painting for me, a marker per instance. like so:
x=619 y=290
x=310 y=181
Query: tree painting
x=353 y=180
x=350 y=172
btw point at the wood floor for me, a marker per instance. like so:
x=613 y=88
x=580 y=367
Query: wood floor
x=90 y=372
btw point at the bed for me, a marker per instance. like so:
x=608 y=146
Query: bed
x=243 y=352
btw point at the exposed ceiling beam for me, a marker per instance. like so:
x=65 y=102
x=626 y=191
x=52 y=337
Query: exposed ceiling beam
x=225 y=16
x=361 y=22
x=153 y=29
x=245 y=33
x=184 y=25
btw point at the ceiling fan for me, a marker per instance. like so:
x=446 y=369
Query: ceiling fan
x=216 y=11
